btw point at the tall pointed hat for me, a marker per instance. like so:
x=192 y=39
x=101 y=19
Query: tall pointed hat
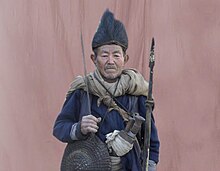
x=110 y=31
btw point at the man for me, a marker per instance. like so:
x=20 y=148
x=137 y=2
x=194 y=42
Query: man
x=117 y=100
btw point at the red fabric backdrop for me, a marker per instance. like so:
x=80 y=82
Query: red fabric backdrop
x=40 y=54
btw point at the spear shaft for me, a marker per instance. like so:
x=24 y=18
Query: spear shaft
x=85 y=73
x=149 y=105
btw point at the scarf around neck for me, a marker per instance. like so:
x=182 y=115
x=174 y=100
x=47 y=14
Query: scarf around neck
x=130 y=82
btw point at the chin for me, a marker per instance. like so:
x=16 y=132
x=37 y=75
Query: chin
x=111 y=78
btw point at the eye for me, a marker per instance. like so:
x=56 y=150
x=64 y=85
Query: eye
x=117 y=55
x=104 y=55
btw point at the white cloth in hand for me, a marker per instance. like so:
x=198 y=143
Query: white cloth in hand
x=118 y=144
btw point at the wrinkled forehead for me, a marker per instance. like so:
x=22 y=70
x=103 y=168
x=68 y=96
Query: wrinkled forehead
x=112 y=48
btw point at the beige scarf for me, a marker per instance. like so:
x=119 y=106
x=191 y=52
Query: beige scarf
x=131 y=82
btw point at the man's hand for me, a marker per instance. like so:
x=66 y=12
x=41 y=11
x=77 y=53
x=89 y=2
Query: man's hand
x=89 y=123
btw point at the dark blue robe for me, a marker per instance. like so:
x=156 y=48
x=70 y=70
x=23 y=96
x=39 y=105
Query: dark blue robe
x=71 y=113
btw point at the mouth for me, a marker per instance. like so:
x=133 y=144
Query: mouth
x=110 y=68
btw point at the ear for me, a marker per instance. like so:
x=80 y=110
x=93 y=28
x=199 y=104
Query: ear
x=93 y=58
x=126 y=58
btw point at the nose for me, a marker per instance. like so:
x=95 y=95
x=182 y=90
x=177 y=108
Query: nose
x=111 y=59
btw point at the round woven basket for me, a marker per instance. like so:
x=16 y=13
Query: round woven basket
x=86 y=155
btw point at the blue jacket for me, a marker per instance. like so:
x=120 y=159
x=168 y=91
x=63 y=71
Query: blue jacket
x=71 y=113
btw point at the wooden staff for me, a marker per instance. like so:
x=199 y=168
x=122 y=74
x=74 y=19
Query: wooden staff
x=149 y=104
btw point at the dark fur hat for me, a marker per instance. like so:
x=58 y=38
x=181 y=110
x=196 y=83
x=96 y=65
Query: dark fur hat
x=110 y=31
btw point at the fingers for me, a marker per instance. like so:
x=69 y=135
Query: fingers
x=89 y=123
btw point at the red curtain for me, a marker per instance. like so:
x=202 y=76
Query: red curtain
x=40 y=53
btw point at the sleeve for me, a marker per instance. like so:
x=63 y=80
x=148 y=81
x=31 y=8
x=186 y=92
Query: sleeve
x=154 y=140
x=68 y=116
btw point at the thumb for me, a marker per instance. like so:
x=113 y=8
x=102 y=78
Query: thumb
x=99 y=119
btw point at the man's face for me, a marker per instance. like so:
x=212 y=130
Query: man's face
x=110 y=61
